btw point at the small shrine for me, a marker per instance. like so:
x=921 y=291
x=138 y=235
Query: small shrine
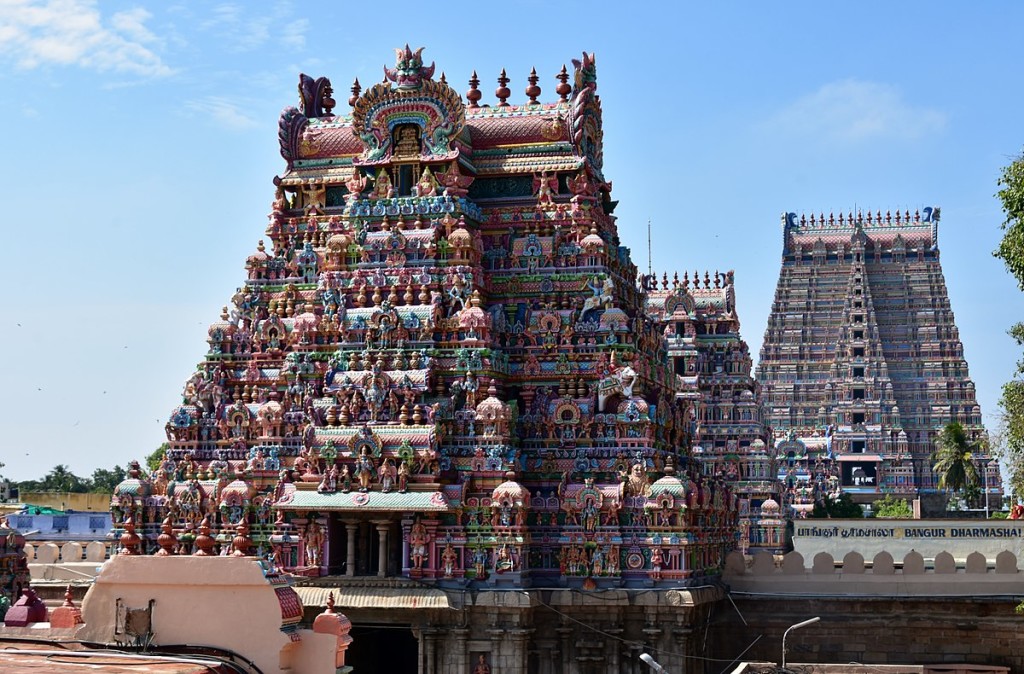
x=14 y=575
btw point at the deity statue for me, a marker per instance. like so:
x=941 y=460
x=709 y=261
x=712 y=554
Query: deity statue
x=656 y=561
x=545 y=187
x=480 y=563
x=387 y=475
x=403 y=477
x=364 y=471
x=448 y=559
x=418 y=538
x=590 y=515
x=482 y=666
x=636 y=482
x=313 y=542
x=427 y=185
x=382 y=188
x=503 y=560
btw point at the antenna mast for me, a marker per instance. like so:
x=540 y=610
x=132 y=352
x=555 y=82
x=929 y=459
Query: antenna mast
x=649 y=272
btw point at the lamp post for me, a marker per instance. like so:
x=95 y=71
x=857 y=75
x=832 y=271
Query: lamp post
x=653 y=664
x=797 y=626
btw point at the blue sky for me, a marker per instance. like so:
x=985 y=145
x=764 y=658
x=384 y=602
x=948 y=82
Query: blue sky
x=140 y=143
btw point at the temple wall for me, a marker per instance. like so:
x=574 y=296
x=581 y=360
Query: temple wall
x=854 y=576
x=879 y=630
x=878 y=611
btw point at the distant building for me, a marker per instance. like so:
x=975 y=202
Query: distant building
x=861 y=364
x=712 y=367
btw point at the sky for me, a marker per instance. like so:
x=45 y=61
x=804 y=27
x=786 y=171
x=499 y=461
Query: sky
x=140 y=145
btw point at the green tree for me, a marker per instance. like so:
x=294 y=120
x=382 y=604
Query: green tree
x=60 y=478
x=892 y=507
x=103 y=481
x=156 y=456
x=839 y=508
x=1011 y=252
x=953 y=460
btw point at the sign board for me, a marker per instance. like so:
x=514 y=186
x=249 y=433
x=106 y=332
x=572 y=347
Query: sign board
x=898 y=537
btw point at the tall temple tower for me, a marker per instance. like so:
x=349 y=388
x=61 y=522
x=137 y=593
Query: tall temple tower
x=862 y=364
x=441 y=376
x=712 y=366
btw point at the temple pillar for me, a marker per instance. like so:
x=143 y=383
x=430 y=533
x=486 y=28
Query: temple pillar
x=564 y=634
x=351 y=528
x=518 y=660
x=682 y=647
x=429 y=650
x=651 y=637
x=456 y=657
x=363 y=559
x=382 y=548
x=612 y=646
x=497 y=656
x=545 y=655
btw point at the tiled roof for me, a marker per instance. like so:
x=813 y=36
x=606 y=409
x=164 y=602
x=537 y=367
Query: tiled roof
x=374 y=597
x=413 y=501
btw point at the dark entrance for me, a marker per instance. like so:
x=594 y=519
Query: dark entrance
x=383 y=649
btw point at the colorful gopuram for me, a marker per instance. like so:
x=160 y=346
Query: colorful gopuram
x=862 y=364
x=712 y=366
x=441 y=368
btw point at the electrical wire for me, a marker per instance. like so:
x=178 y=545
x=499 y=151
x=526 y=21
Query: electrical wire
x=636 y=644
x=205 y=662
x=250 y=666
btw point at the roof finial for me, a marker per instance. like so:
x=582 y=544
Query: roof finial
x=564 y=88
x=356 y=89
x=502 y=92
x=473 y=95
x=533 y=91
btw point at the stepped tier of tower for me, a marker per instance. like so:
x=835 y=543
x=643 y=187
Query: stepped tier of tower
x=712 y=366
x=861 y=364
x=442 y=364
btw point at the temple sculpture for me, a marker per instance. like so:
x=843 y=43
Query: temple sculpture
x=862 y=363
x=443 y=367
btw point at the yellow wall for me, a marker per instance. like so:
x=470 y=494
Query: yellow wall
x=66 y=500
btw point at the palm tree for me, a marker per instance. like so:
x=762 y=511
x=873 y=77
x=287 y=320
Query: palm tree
x=953 y=459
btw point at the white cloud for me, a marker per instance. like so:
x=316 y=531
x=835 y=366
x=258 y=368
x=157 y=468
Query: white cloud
x=223 y=111
x=853 y=111
x=294 y=34
x=35 y=33
x=244 y=31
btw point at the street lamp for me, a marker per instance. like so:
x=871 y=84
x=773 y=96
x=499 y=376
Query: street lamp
x=653 y=664
x=797 y=626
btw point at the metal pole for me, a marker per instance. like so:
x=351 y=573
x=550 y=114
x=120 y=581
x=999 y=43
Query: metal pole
x=790 y=629
x=984 y=477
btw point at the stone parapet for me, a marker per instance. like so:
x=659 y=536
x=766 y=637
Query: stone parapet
x=914 y=575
